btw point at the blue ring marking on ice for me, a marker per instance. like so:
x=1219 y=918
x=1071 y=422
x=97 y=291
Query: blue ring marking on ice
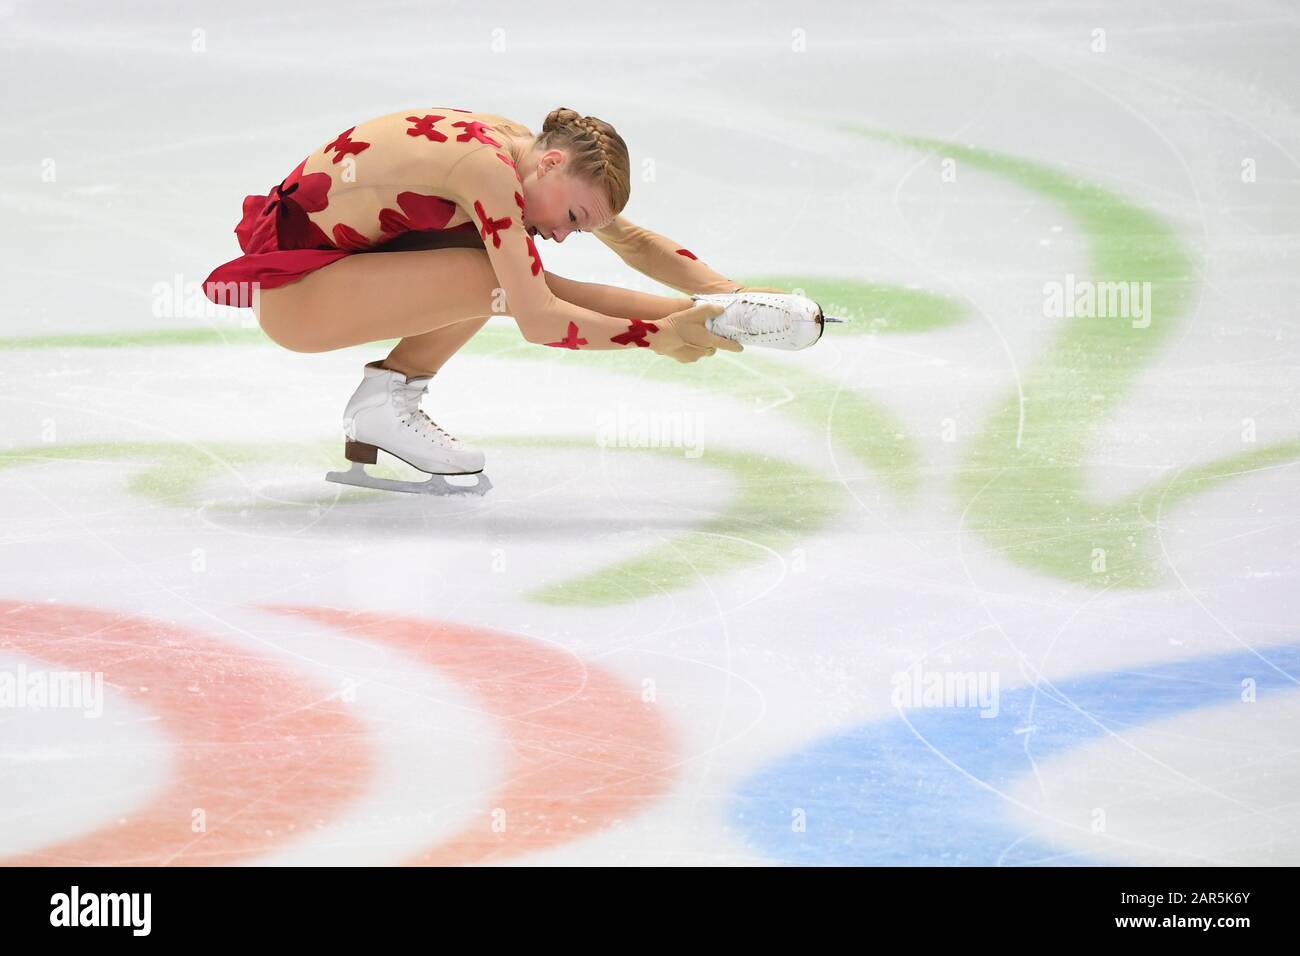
x=879 y=795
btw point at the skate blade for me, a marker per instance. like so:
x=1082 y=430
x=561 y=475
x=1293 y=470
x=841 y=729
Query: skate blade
x=434 y=485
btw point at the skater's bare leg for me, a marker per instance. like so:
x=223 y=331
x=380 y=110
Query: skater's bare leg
x=425 y=354
x=371 y=297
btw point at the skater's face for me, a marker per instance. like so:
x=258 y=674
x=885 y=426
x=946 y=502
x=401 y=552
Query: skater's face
x=556 y=204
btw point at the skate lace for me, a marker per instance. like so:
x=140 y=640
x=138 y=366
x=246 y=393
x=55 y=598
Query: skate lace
x=758 y=318
x=407 y=402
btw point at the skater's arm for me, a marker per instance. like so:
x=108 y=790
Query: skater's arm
x=615 y=300
x=487 y=188
x=662 y=259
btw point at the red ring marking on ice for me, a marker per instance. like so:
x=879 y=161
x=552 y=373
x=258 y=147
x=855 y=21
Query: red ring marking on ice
x=585 y=752
x=259 y=749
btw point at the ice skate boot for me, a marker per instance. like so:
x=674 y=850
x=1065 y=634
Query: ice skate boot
x=775 y=320
x=384 y=415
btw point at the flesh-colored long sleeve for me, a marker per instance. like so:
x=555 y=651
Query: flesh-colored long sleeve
x=662 y=259
x=486 y=186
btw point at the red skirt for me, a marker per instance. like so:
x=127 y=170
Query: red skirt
x=281 y=244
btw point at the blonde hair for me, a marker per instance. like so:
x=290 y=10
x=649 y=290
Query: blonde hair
x=597 y=154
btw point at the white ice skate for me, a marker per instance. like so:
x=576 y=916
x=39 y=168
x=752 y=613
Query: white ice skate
x=774 y=320
x=384 y=415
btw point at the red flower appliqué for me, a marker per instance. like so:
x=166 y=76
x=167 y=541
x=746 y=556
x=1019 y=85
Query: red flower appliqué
x=474 y=130
x=282 y=221
x=636 y=332
x=345 y=237
x=532 y=254
x=511 y=163
x=571 y=340
x=417 y=212
x=423 y=126
x=493 y=227
x=344 y=146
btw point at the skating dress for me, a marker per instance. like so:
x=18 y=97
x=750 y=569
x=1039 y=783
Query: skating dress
x=446 y=176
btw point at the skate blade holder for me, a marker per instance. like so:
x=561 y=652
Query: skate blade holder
x=433 y=485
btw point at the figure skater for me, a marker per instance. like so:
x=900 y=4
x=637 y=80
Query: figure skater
x=455 y=200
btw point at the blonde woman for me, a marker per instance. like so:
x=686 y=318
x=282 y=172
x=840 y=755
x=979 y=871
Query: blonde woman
x=456 y=201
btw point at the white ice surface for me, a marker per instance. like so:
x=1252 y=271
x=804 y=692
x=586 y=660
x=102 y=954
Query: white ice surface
x=152 y=145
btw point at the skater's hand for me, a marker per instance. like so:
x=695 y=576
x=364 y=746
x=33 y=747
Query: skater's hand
x=759 y=288
x=682 y=335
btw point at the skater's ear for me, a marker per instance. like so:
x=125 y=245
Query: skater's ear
x=552 y=160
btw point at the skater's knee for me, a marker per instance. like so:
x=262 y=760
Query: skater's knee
x=283 y=320
x=287 y=335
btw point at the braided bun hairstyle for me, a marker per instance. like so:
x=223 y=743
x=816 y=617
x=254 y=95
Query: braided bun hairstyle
x=597 y=154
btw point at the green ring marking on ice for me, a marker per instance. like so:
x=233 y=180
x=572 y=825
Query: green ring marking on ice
x=866 y=429
x=174 y=471
x=776 y=503
x=1022 y=481
x=1023 y=486
x=121 y=340
x=871 y=307
x=763 y=516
